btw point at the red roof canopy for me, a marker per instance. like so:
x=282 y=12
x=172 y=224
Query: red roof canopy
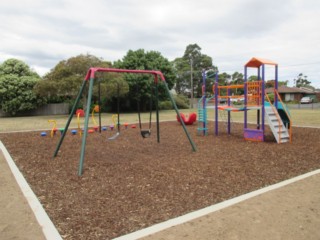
x=257 y=62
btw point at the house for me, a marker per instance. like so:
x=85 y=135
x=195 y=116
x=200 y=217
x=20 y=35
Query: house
x=293 y=93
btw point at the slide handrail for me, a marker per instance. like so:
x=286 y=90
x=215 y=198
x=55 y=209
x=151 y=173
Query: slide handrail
x=277 y=115
x=287 y=113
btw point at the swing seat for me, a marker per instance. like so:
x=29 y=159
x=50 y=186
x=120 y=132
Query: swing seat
x=114 y=136
x=145 y=133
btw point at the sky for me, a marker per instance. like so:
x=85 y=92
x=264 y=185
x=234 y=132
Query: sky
x=44 y=32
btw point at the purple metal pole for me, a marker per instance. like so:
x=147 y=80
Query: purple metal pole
x=229 y=117
x=258 y=101
x=204 y=107
x=276 y=87
x=216 y=103
x=263 y=92
x=245 y=97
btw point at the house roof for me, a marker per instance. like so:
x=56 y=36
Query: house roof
x=257 y=62
x=285 y=89
x=307 y=89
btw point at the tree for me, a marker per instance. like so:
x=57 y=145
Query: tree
x=195 y=60
x=140 y=84
x=224 y=79
x=271 y=83
x=302 y=81
x=182 y=69
x=237 y=79
x=17 y=81
x=65 y=79
x=252 y=78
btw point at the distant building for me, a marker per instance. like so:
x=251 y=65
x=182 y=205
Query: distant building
x=294 y=93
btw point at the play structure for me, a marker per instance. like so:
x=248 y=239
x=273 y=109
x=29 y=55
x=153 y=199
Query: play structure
x=255 y=99
x=187 y=119
x=90 y=77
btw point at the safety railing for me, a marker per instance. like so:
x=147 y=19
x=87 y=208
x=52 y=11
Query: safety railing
x=287 y=113
x=277 y=115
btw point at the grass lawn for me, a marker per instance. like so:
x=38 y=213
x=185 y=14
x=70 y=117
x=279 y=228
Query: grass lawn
x=300 y=117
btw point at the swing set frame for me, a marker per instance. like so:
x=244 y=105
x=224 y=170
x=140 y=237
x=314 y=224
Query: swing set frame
x=90 y=77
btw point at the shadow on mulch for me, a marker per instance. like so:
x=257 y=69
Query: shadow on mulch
x=131 y=183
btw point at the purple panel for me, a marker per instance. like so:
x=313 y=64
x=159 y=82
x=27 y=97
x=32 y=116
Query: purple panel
x=253 y=135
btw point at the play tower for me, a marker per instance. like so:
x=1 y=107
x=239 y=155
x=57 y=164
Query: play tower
x=276 y=114
x=255 y=100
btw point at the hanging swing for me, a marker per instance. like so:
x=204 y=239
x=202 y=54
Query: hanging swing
x=145 y=133
x=118 y=113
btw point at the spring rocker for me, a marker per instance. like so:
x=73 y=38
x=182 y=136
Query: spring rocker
x=54 y=127
x=188 y=119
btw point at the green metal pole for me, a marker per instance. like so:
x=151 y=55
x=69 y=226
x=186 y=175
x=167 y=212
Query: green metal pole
x=99 y=103
x=194 y=148
x=157 y=111
x=84 y=136
x=70 y=118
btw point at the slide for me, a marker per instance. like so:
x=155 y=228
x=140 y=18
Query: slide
x=282 y=110
x=188 y=120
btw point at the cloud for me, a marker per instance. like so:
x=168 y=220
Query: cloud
x=44 y=32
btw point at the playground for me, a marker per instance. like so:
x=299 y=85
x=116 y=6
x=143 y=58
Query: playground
x=132 y=182
x=128 y=178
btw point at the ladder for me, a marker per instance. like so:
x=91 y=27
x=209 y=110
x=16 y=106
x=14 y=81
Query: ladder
x=280 y=132
x=202 y=118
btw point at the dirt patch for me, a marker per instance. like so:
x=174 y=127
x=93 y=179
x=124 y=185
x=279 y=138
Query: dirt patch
x=131 y=183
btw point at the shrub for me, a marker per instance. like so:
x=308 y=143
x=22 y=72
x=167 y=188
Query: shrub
x=165 y=105
x=181 y=101
x=271 y=97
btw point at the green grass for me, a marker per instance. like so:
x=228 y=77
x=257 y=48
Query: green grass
x=300 y=117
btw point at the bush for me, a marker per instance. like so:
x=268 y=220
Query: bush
x=271 y=97
x=165 y=105
x=182 y=102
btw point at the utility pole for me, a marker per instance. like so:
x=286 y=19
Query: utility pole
x=191 y=80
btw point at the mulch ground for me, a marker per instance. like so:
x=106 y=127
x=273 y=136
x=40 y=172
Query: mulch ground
x=131 y=183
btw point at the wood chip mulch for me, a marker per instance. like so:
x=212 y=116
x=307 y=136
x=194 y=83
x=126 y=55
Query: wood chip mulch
x=131 y=183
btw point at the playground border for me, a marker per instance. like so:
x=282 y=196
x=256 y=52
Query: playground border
x=47 y=226
x=211 y=209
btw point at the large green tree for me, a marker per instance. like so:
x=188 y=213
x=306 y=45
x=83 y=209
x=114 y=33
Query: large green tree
x=192 y=62
x=17 y=82
x=140 y=85
x=65 y=79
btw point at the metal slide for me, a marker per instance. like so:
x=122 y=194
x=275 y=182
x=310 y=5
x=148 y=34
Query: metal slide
x=280 y=132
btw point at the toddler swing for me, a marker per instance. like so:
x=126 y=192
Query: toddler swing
x=145 y=133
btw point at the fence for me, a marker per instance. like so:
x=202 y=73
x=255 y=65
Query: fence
x=311 y=106
x=48 y=109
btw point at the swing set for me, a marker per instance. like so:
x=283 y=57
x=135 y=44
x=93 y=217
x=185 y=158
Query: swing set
x=145 y=133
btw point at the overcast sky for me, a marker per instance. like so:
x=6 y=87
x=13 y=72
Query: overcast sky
x=44 y=32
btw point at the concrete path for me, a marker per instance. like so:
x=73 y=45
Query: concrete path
x=17 y=220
